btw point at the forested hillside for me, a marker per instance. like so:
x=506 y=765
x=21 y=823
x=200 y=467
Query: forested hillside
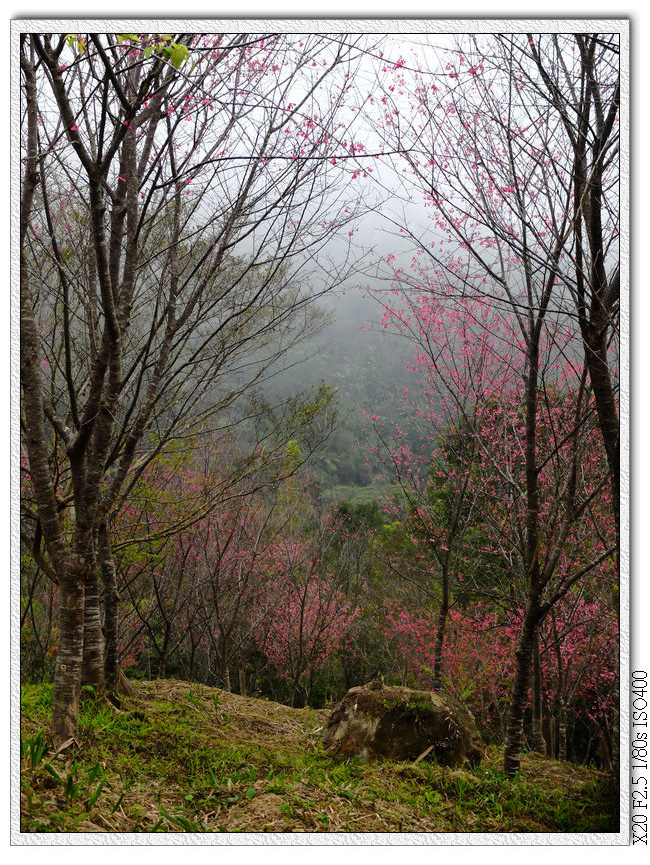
x=368 y=367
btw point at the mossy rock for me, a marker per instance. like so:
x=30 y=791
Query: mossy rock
x=379 y=721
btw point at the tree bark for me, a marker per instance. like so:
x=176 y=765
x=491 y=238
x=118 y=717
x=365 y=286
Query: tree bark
x=69 y=570
x=519 y=698
x=111 y=597
x=616 y=732
x=225 y=673
x=594 y=338
x=443 y=612
x=538 y=741
x=530 y=623
x=69 y=659
x=561 y=730
x=93 y=646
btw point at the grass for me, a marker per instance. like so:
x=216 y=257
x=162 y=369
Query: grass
x=187 y=758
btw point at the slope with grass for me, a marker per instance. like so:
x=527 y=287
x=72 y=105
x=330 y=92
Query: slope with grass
x=179 y=757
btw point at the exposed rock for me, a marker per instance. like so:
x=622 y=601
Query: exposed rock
x=396 y=723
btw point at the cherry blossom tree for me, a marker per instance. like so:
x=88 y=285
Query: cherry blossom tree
x=309 y=617
x=579 y=77
x=484 y=151
x=177 y=190
x=579 y=648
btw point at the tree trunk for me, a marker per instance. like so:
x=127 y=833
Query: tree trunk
x=162 y=657
x=616 y=751
x=538 y=741
x=519 y=698
x=69 y=659
x=92 y=672
x=551 y=744
x=111 y=598
x=561 y=731
x=190 y=666
x=242 y=681
x=225 y=670
x=601 y=382
x=531 y=619
x=604 y=752
x=70 y=573
x=440 y=632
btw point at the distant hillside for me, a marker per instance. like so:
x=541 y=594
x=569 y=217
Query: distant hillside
x=368 y=367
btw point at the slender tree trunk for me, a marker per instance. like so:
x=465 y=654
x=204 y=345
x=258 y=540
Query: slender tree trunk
x=111 y=598
x=225 y=670
x=601 y=383
x=242 y=681
x=309 y=688
x=561 y=730
x=604 y=752
x=162 y=658
x=534 y=579
x=440 y=632
x=560 y=708
x=519 y=698
x=538 y=741
x=551 y=745
x=190 y=666
x=616 y=752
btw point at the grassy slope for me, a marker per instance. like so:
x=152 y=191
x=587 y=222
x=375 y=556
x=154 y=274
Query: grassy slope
x=181 y=757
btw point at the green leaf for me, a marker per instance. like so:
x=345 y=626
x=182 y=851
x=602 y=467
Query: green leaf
x=72 y=39
x=178 y=54
x=95 y=796
x=50 y=768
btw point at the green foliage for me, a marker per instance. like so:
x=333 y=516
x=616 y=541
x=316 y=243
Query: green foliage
x=163 y=45
x=178 y=820
x=36 y=701
x=365 y=514
x=368 y=370
x=76 y=784
x=34 y=748
x=166 y=764
x=73 y=40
